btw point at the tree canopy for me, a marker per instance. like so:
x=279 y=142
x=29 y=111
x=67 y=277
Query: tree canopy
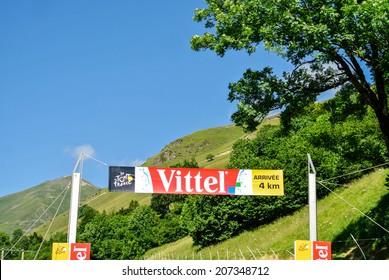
x=331 y=44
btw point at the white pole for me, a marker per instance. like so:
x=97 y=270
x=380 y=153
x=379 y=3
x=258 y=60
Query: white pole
x=74 y=202
x=73 y=212
x=312 y=200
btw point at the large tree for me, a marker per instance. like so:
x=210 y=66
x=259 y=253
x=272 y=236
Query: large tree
x=330 y=43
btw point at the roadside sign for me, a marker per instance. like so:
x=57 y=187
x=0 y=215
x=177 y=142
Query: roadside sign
x=60 y=251
x=80 y=251
x=73 y=251
x=312 y=250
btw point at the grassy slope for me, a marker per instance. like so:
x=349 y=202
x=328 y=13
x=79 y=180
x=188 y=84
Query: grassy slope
x=30 y=208
x=272 y=241
x=276 y=240
x=217 y=141
x=101 y=201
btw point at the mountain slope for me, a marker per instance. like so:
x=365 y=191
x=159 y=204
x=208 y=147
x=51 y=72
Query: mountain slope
x=32 y=207
x=100 y=201
x=338 y=216
x=217 y=141
x=15 y=212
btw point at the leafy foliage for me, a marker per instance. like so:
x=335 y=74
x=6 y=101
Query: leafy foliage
x=340 y=139
x=336 y=148
x=331 y=44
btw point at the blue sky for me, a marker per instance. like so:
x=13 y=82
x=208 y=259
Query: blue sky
x=115 y=79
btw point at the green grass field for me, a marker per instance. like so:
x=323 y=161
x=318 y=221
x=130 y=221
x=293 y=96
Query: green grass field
x=276 y=240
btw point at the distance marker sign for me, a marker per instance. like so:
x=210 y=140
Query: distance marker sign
x=268 y=182
x=196 y=181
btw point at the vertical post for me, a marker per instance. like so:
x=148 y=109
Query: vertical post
x=312 y=200
x=74 y=201
x=73 y=213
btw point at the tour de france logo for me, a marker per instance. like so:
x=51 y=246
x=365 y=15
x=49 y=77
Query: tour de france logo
x=124 y=179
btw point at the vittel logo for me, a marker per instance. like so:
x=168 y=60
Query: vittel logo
x=321 y=250
x=193 y=181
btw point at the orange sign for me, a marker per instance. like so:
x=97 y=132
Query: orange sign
x=80 y=251
x=321 y=250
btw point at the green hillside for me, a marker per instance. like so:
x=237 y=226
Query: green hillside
x=101 y=201
x=339 y=213
x=216 y=141
x=32 y=207
x=338 y=217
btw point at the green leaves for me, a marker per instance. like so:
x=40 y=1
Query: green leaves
x=338 y=144
x=349 y=36
x=256 y=92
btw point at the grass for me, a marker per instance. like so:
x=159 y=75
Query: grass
x=101 y=201
x=114 y=201
x=35 y=206
x=197 y=145
x=276 y=240
x=272 y=241
x=217 y=141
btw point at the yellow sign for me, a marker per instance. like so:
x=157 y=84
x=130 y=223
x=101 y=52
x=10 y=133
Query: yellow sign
x=60 y=251
x=268 y=182
x=303 y=250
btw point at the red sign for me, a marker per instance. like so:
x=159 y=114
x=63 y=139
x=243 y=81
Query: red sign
x=80 y=251
x=193 y=180
x=321 y=250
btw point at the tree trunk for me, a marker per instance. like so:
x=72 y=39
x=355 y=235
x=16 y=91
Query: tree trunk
x=383 y=120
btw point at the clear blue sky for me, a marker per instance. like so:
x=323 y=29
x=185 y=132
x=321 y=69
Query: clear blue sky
x=115 y=79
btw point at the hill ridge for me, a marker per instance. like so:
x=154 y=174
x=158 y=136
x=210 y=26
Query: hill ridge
x=32 y=207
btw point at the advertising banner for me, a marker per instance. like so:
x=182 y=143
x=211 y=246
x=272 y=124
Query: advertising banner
x=312 y=250
x=321 y=250
x=71 y=251
x=80 y=251
x=196 y=181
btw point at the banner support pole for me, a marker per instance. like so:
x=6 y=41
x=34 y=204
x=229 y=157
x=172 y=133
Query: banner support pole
x=312 y=200
x=74 y=202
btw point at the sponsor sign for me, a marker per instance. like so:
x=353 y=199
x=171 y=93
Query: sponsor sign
x=312 y=250
x=303 y=250
x=80 y=251
x=196 y=181
x=321 y=250
x=60 y=251
x=73 y=251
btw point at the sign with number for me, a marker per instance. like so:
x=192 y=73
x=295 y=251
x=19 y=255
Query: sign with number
x=196 y=181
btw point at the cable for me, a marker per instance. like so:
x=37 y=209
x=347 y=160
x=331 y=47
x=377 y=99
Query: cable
x=28 y=230
x=336 y=177
x=360 y=249
x=96 y=160
x=341 y=198
x=52 y=221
